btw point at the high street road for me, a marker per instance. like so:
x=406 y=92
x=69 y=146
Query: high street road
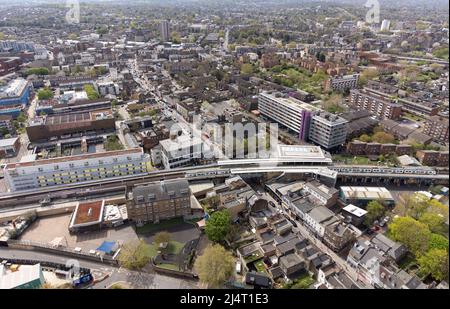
x=306 y=233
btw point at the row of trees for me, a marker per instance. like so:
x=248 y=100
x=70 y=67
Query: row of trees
x=91 y=92
x=378 y=137
x=422 y=228
x=216 y=265
x=37 y=71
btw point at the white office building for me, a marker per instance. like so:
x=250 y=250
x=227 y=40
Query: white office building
x=287 y=111
x=76 y=169
x=181 y=151
x=385 y=25
x=328 y=130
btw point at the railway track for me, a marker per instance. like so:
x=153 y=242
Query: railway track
x=90 y=188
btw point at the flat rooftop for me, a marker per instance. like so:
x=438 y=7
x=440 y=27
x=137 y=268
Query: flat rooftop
x=14 y=89
x=301 y=151
x=8 y=142
x=356 y=211
x=72 y=118
x=366 y=193
x=290 y=101
x=75 y=158
x=88 y=213
x=183 y=141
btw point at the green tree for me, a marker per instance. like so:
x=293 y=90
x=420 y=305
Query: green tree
x=366 y=75
x=218 y=225
x=161 y=237
x=211 y=202
x=413 y=234
x=332 y=104
x=3 y=131
x=365 y=138
x=22 y=117
x=2 y=36
x=383 y=138
x=438 y=242
x=37 y=71
x=435 y=222
x=436 y=207
x=91 y=92
x=73 y=36
x=45 y=94
x=134 y=255
x=112 y=143
x=215 y=266
x=441 y=52
x=435 y=262
x=77 y=69
x=102 y=31
x=374 y=211
x=291 y=45
x=416 y=205
x=246 y=69
x=175 y=37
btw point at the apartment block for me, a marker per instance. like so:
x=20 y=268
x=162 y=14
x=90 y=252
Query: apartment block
x=437 y=128
x=328 y=130
x=75 y=169
x=409 y=103
x=377 y=104
x=159 y=201
x=287 y=111
x=419 y=107
x=433 y=158
x=342 y=83
x=360 y=148
x=356 y=148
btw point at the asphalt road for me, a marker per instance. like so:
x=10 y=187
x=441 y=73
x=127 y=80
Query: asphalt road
x=138 y=280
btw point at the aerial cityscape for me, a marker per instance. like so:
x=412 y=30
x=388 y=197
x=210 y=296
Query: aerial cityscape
x=232 y=144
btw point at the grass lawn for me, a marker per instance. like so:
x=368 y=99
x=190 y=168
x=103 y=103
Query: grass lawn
x=169 y=266
x=413 y=117
x=358 y=160
x=151 y=227
x=259 y=265
x=302 y=282
x=174 y=247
